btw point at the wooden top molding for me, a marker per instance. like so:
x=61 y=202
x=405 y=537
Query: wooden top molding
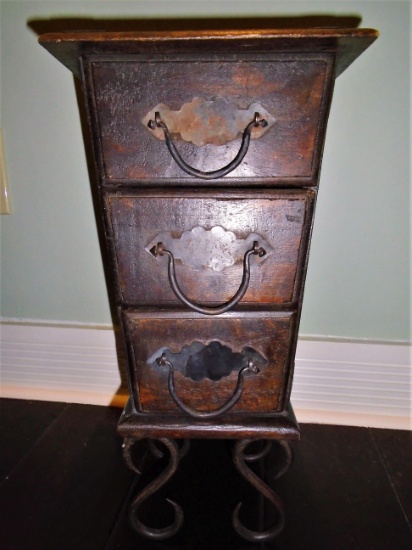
x=345 y=44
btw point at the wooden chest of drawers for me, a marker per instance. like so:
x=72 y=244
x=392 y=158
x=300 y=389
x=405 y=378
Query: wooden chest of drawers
x=208 y=149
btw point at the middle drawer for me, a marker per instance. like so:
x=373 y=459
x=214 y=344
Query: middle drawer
x=214 y=240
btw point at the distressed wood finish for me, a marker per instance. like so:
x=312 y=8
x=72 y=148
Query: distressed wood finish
x=274 y=426
x=144 y=197
x=282 y=219
x=344 y=44
x=269 y=335
x=290 y=149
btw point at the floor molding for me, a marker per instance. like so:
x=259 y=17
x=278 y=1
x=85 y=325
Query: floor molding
x=336 y=382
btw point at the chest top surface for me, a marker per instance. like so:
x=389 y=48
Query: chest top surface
x=345 y=44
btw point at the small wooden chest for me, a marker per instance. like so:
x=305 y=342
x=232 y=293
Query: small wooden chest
x=208 y=149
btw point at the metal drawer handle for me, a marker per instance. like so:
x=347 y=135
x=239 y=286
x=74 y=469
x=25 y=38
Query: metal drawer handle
x=157 y=122
x=162 y=361
x=160 y=250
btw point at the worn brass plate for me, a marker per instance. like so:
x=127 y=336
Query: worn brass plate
x=218 y=121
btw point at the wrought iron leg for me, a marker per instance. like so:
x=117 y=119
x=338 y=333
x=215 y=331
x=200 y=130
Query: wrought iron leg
x=158 y=453
x=176 y=454
x=239 y=458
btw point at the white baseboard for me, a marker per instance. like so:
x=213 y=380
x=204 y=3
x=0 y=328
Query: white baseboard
x=336 y=382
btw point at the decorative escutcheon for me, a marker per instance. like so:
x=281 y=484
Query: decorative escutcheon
x=213 y=360
x=215 y=249
x=250 y=368
x=200 y=122
x=159 y=250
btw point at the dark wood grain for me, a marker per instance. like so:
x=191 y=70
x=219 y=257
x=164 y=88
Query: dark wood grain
x=275 y=426
x=281 y=218
x=395 y=449
x=337 y=494
x=21 y=428
x=67 y=491
x=269 y=335
x=124 y=92
x=346 y=43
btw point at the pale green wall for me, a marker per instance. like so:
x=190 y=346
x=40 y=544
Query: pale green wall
x=358 y=281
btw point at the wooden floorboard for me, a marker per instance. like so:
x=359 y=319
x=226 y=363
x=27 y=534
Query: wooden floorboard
x=395 y=449
x=66 y=487
x=338 y=496
x=21 y=427
x=68 y=490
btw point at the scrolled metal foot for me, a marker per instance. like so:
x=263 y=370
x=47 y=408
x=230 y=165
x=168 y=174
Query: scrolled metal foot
x=153 y=487
x=239 y=458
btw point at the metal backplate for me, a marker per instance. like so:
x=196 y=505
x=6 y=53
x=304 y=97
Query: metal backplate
x=218 y=121
x=213 y=360
x=215 y=249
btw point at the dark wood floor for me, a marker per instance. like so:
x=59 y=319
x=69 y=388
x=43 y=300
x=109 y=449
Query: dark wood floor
x=64 y=485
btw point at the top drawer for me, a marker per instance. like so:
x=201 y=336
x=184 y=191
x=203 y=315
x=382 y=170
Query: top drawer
x=207 y=101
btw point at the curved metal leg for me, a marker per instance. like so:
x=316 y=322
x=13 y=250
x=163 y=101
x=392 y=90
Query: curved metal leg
x=128 y=443
x=155 y=485
x=239 y=458
x=158 y=453
x=253 y=457
x=288 y=458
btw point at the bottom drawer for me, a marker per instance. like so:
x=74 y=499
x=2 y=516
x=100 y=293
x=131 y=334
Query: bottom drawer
x=210 y=361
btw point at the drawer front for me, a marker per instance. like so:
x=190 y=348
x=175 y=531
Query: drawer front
x=209 y=236
x=207 y=98
x=207 y=355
